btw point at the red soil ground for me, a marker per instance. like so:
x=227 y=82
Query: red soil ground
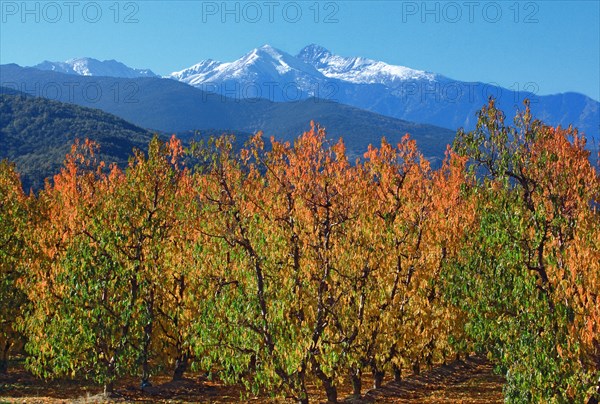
x=471 y=381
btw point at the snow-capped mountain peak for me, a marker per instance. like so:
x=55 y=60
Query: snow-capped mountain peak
x=199 y=69
x=93 y=67
x=265 y=64
x=315 y=72
x=314 y=54
x=266 y=58
x=268 y=50
x=359 y=70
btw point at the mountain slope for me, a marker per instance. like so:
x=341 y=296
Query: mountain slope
x=376 y=86
x=264 y=72
x=37 y=133
x=94 y=67
x=359 y=70
x=395 y=91
x=171 y=106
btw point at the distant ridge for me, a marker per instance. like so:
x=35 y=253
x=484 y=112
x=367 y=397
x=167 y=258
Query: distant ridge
x=37 y=133
x=395 y=91
x=94 y=67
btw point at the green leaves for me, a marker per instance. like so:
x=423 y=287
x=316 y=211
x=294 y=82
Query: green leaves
x=108 y=267
x=14 y=216
x=278 y=266
x=512 y=279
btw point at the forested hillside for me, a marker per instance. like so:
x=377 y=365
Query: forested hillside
x=37 y=133
x=171 y=106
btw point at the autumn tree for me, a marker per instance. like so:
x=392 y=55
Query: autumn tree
x=400 y=195
x=405 y=216
x=106 y=283
x=80 y=313
x=287 y=300
x=13 y=252
x=243 y=323
x=282 y=264
x=528 y=274
x=154 y=211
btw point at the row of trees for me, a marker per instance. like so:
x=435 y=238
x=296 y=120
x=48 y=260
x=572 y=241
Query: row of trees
x=278 y=265
x=529 y=273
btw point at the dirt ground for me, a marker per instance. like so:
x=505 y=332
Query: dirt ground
x=471 y=381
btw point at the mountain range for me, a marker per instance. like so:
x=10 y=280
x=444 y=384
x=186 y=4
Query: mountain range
x=94 y=67
x=314 y=72
x=170 y=106
x=376 y=86
x=355 y=98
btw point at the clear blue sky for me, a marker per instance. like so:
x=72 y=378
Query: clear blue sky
x=553 y=44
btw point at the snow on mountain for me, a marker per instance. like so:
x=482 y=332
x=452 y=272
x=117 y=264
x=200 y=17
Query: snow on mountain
x=314 y=72
x=391 y=90
x=357 y=69
x=263 y=70
x=263 y=62
x=198 y=73
x=94 y=67
x=268 y=61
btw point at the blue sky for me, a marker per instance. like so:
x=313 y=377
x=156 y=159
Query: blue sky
x=544 y=46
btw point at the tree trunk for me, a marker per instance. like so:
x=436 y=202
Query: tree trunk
x=416 y=367
x=429 y=357
x=378 y=376
x=328 y=383
x=594 y=398
x=147 y=340
x=4 y=358
x=181 y=364
x=397 y=373
x=300 y=379
x=109 y=389
x=331 y=391
x=145 y=364
x=355 y=376
x=109 y=386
